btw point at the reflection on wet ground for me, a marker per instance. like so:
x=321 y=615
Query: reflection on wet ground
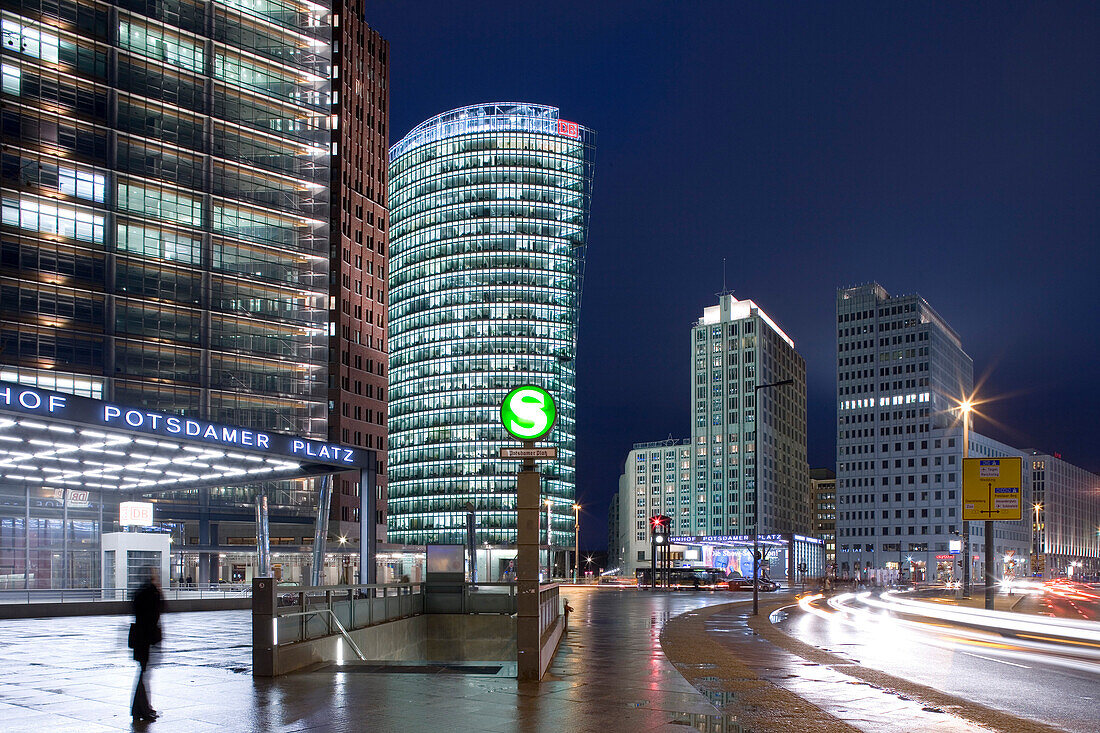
x=610 y=675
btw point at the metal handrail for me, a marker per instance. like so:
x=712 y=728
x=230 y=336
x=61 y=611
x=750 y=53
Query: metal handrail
x=194 y=591
x=340 y=626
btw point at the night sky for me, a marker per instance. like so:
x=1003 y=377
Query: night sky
x=938 y=148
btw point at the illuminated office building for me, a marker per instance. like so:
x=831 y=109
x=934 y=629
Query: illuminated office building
x=901 y=372
x=488 y=223
x=1065 y=517
x=165 y=226
x=735 y=347
x=823 y=507
x=357 y=350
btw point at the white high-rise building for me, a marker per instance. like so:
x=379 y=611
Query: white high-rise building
x=706 y=484
x=655 y=480
x=901 y=373
x=736 y=347
x=1065 y=512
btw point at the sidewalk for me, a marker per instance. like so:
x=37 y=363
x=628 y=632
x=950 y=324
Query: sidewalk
x=610 y=675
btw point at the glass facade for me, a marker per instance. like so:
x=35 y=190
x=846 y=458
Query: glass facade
x=488 y=225
x=165 y=213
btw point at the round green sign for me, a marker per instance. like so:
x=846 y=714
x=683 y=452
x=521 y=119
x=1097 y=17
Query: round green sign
x=528 y=412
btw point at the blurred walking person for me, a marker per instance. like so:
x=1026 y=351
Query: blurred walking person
x=145 y=632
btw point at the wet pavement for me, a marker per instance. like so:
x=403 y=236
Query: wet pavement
x=610 y=674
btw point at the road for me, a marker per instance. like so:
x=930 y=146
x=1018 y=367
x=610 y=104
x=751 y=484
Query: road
x=1065 y=600
x=1040 y=670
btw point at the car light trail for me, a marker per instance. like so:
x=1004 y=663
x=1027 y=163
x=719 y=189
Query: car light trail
x=1058 y=642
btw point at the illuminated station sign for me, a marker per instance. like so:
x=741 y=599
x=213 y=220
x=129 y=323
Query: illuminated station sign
x=528 y=412
x=135 y=514
x=67 y=444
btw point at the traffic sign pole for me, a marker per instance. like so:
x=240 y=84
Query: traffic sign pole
x=989 y=565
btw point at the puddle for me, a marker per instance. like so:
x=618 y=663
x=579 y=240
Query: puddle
x=709 y=723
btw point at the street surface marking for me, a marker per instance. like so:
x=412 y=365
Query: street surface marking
x=991 y=659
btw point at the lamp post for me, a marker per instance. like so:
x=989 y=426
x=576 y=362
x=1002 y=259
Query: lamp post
x=756 y=492
x=576 y=541
x=549 y=568
x=966 y=407
x=1038 y=538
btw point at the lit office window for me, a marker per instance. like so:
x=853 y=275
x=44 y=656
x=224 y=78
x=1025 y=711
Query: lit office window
x=29 y=41
x=9 y=79
x=159 y=44
x=27 y=212
x=82 y=184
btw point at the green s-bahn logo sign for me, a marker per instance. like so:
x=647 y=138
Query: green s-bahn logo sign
x=528 y=412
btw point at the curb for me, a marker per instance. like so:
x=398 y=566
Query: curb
x=757 y=704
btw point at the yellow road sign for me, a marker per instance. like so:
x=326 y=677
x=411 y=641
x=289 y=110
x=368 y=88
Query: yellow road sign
x=991 y=489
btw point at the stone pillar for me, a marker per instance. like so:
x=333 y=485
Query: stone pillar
x=528 y=515
x=368 y=527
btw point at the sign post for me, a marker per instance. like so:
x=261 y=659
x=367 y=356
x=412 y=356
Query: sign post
x=992 y=492
x=528 y=414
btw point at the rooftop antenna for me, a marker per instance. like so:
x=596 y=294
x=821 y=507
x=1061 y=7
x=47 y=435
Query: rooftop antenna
x=725 y=290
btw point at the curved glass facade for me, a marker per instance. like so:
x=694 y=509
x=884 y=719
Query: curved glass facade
x=488 y=224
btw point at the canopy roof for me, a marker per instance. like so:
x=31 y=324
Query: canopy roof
x=56 y=440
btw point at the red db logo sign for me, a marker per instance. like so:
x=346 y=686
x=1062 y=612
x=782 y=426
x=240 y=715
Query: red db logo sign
x=569 y=129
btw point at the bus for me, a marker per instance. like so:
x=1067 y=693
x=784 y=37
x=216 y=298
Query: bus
x=685 y=578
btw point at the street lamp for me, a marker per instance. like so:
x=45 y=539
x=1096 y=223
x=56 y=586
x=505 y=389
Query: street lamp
x=965 y=408
x=576 y=541
x=756 y=492
x=1038 y=537
x=549 y=569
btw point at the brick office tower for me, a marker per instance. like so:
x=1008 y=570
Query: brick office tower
x=357 y=352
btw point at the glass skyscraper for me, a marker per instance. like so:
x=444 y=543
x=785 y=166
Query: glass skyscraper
x=488 y=224
x=165 y=215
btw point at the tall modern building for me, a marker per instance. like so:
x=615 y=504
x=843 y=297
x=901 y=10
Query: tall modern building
x=488 y=224
x=901 y=373
x=1065 y=512
x=823 y=500
x=165 y=230
x=735 y=347
x=614 y=544
x=656 y=479
x=707 y=484
x=357 y=352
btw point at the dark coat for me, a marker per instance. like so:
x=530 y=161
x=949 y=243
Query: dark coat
x=148 y=605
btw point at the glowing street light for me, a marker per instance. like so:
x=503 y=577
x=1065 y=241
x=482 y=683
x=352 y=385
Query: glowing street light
x=966 y=407
x=576 y=541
